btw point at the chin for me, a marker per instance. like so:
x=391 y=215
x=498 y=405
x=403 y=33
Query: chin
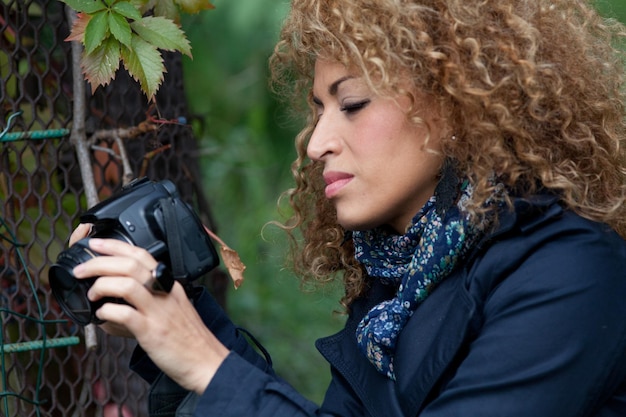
x=354 y=226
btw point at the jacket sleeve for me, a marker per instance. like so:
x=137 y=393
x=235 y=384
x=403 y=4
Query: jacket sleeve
x=553 y=336
x=244 y=385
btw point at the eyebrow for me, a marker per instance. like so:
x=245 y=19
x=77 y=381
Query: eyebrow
x=332 y=89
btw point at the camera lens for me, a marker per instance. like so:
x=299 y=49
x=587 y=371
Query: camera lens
x=70 y=292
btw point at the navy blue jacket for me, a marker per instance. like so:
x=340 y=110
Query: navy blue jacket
x=533 y=324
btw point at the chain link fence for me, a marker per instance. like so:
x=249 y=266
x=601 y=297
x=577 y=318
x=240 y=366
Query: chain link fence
x=45 y=367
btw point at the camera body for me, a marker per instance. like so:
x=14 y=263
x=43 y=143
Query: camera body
x=144 y=213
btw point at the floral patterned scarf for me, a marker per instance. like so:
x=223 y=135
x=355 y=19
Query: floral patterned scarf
x=416 y=261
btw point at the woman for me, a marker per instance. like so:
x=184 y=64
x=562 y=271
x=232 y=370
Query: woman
x=461 y=171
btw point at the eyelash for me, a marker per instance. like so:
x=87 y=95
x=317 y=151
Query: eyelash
x=355 y=107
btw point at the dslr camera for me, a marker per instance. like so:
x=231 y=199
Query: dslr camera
x=147 y=214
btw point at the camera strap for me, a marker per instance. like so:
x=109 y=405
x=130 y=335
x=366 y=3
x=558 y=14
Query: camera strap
x=174 y=239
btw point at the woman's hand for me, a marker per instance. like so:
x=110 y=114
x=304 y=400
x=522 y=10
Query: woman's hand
x=166 y=325
x=82 y=231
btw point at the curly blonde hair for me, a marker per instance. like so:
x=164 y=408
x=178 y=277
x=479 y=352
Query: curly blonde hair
x=532 y=88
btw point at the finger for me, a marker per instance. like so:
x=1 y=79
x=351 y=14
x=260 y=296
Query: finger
x=80 y=232
x=128 y=318
x=117 y=316
x=120 y=287
x=123 y=266
x=114 y=247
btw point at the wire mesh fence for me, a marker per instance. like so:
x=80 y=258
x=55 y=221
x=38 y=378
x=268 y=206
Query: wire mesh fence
x=45 y=367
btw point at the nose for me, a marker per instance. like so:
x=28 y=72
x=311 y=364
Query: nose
x=324 y=140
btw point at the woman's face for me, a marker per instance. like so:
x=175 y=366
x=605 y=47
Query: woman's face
x=376 y=167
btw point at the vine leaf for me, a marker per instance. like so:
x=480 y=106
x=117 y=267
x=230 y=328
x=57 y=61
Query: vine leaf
x=162 y=33
x=194 y=6
x=78 y=28
x=113 y=30
x=119 y=28
x=167 y=9
x=86 y=6
x=100 y=66
x=96 y=31
x=145 y=64
x=127 y=10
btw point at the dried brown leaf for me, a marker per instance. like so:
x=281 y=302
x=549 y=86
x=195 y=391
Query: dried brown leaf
x=231 y=260
x=233 y=264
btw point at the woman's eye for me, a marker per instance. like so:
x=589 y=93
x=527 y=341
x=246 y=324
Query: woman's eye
x=355 y=107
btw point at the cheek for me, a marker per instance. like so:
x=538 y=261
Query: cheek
x=380 y=133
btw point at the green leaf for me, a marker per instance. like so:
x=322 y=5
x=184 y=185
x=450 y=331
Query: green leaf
x=167 y=9
x=96 y=31
x=145 y=64
x=194 y=6
x=127 y=10
x=162 y=33
x=119 y=28
x=100 y=65
x=86 y=6
x=144 y=6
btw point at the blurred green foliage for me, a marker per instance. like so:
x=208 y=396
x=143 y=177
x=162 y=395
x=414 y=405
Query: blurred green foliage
x=612 y=8
x=247 y=147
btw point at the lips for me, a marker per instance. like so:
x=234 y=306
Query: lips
x=335 y=181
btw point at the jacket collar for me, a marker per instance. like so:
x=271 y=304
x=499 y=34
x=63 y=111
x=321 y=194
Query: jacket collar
x=376 y=391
